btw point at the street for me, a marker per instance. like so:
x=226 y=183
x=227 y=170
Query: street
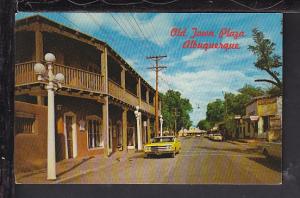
x=201 y=161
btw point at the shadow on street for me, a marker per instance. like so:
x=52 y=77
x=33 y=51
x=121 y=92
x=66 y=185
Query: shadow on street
x=270 y=163
x=75 y=166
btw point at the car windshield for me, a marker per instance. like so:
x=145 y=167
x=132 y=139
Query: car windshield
x=163 y=139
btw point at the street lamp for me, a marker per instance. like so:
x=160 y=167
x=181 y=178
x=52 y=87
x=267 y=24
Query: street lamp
x=138 y=124
x=53 y=83
x=161 y=125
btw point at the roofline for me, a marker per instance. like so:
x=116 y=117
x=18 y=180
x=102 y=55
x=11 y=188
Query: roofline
x=254 y=99
x=37 y=17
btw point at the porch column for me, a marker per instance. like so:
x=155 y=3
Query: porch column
x=148 y=129
x=124 y=127
x=105 y=105
x=39 y=50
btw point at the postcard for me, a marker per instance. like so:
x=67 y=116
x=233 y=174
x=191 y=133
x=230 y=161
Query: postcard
x=148 y=98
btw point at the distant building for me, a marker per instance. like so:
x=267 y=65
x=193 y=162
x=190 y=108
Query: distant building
x=263 y=119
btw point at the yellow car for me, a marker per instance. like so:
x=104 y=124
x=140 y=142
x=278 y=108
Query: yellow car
x=163 y=145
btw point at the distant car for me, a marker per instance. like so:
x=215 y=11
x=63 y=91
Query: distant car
x=198 y=135
x=272 y=149
x=163 y=145
x=217 y=137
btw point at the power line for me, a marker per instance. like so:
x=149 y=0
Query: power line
x=138 y=33
x=140 y=28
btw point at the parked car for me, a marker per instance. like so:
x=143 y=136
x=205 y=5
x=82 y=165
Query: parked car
x=217 y=137
x=272 y=149
x=163 y=145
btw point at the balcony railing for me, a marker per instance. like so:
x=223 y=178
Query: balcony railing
x=74 y=78
x=118 y=92
x=80 y=80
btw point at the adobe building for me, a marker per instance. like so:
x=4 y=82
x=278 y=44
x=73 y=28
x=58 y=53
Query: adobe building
x=263 y=119
x=94 y=109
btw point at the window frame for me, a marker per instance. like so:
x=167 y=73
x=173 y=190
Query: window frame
x=97 y=119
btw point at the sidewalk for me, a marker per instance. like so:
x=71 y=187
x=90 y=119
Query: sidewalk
x=71 y=168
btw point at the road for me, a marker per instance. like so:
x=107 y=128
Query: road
x=201 y=161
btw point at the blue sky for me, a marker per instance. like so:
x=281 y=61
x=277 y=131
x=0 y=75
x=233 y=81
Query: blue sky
x=199 y=75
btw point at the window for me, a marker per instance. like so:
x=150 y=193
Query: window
x=95 y=138
x=24 y=125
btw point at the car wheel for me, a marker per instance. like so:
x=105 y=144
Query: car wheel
x=146 y=156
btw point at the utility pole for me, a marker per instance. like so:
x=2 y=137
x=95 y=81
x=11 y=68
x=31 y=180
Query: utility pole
x=157 y=68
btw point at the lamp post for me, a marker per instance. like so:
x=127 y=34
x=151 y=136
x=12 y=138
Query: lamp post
x=138 y=124
x=53 y=83
x=161 y=125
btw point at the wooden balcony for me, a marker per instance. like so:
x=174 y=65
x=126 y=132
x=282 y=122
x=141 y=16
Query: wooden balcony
x=77 y=79
x=121 y=94
x=147 y=107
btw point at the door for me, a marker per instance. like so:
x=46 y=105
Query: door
x=69 y=133
x=131 y=137
x=119 y=134
x=114 y=138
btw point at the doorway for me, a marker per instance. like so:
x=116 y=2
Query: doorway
x=70 y=135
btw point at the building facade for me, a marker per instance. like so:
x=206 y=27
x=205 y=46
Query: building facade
x=94 y=108
x=263 y=119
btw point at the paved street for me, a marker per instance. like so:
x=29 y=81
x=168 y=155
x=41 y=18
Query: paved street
x=201 y=161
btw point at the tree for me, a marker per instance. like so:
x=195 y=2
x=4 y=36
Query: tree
x=215 y=111
x=235 y=103
x=251 y=91
x=266 y=59
x=171 y=102
x=204 y=125
x=274 y=91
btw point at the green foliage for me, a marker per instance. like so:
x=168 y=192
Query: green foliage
x=172 y=100
x=215 y=111
x=251 y=91
x=236 y=103
x=232 y=104
x=266 y=59
x=204 y=125
x=274 y=91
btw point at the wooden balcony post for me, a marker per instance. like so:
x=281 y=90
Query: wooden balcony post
x=40 y=100
x=123 y=77
x=147 y=96
x=39 y=50
x=105 y=105
x=124 y=127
